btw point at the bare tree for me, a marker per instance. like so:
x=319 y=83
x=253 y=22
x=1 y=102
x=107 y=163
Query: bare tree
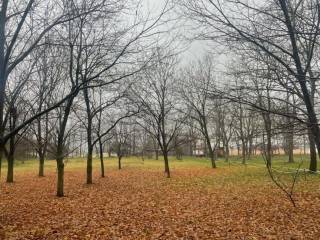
x=121 y=143
x=45 y=81
x=286 y=31
x=196 y=86
x=156 y=92
x=18 y=40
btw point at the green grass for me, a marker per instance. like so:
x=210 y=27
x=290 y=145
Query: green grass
x=278 y=162
x=255 y=167
x=232 y=171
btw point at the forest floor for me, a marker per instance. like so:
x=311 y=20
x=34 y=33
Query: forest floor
x=138 y=202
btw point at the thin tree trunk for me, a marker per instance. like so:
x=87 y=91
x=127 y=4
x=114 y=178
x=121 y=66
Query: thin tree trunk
x=166 y=164
x=209 y=147
x=3 y=74
x=227 y=152
x=249 y=147
x=60 y=182
x=304 y=144
x=41 y=165
x=101 y=158
x=238 y=149
x=190 y=143
x=290 y=147
x=89 y=165
x=12 y=148
x=269 y=149
x=313 y=153
x=60 y=148
x=289 y=135
x=267 y=122
x=212 y=156
x=244 y=148
x=60 y=165
x=89 y=135
x=119 y=162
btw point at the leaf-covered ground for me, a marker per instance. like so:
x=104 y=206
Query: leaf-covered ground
x=139 y=203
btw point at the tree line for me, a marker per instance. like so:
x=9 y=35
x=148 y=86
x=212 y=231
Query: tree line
x=85 y=77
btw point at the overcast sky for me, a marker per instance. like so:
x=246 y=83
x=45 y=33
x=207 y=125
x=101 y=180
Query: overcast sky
x=195 y=49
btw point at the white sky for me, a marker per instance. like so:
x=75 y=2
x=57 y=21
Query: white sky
x=195 y=50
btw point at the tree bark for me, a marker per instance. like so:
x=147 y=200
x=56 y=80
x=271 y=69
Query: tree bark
x=3 y=64
x=89 y=135
x=10 y=159
x=268 y=150
x=10 y=167
x=60 y=182
x=41 y=165
x=12 y=147
x=211 y=154
x=166 y=164
x=244 y=149
x=290 y=146
x=313 y=153
x=207 y=138
x=301 y=77
x=60 y=147
x=89 y=165
x=227 y=152
x=101 y=158
x=119 y=163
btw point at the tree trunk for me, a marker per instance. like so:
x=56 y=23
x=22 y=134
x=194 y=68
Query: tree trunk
x=89 y=134
x=89 y=165
x=290 y=134
x=213 y=160
x=313 y=153
x=290 y=147
x=190 y=143
x=304 y=144
x=41 y=165
x=119 y=162
x=227 y=152
x=269 y=149
x=249 y=147
x=238 y=149
x=267 y=123
x=302 y=80
x=166 y=164
x=60 y=148
x=10 y=167
x=244 y=149
x=12 y=147
x=3 y=63
x=212 y=157
x=60 y=167
x=60 y=182
x=209 y=147
x=101 y=158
